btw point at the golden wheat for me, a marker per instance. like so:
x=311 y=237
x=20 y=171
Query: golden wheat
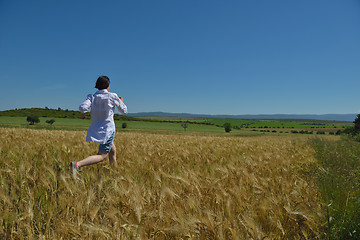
x=165 y=187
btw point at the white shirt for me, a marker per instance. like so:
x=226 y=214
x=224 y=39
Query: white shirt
x=102 y=104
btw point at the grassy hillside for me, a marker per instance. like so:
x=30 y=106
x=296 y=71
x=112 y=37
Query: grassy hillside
x=52 y=113
x=41 y=112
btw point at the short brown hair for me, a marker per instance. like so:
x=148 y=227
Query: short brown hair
x=102 y=82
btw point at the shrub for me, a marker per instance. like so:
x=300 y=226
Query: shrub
x=184 y=125
x=227 y=127
x=33 y=119
x=124 y=125
x=51 y=121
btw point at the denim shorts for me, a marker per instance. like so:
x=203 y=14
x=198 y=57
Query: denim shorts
x=107 y=146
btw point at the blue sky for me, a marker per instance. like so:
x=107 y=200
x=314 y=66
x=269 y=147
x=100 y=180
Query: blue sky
x=193 y=56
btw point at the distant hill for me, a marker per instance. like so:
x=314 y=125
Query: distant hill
x=330 y=117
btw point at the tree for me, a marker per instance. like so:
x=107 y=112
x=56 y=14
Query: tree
x=184 y=125
x=357 y=123
x=51 y=121
x=354 y=131
x=227 y=127
x=124 y=125
x=33 y=119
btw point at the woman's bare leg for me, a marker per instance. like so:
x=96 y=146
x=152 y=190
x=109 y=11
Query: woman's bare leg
x=92 y=160
x=112 y=156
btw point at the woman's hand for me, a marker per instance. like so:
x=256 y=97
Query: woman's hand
x=122 y=99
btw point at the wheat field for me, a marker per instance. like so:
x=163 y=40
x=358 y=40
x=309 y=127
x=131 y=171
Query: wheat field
x=165 y=187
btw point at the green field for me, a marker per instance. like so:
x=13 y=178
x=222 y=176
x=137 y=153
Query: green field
x=248 y=126
x=174 y=119
x=74 y=122
x=69 y=123
x=279 y=123
x=233 y=122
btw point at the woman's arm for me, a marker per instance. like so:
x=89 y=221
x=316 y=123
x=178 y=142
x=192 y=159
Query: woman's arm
x=119 y=103
x=85 y=106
